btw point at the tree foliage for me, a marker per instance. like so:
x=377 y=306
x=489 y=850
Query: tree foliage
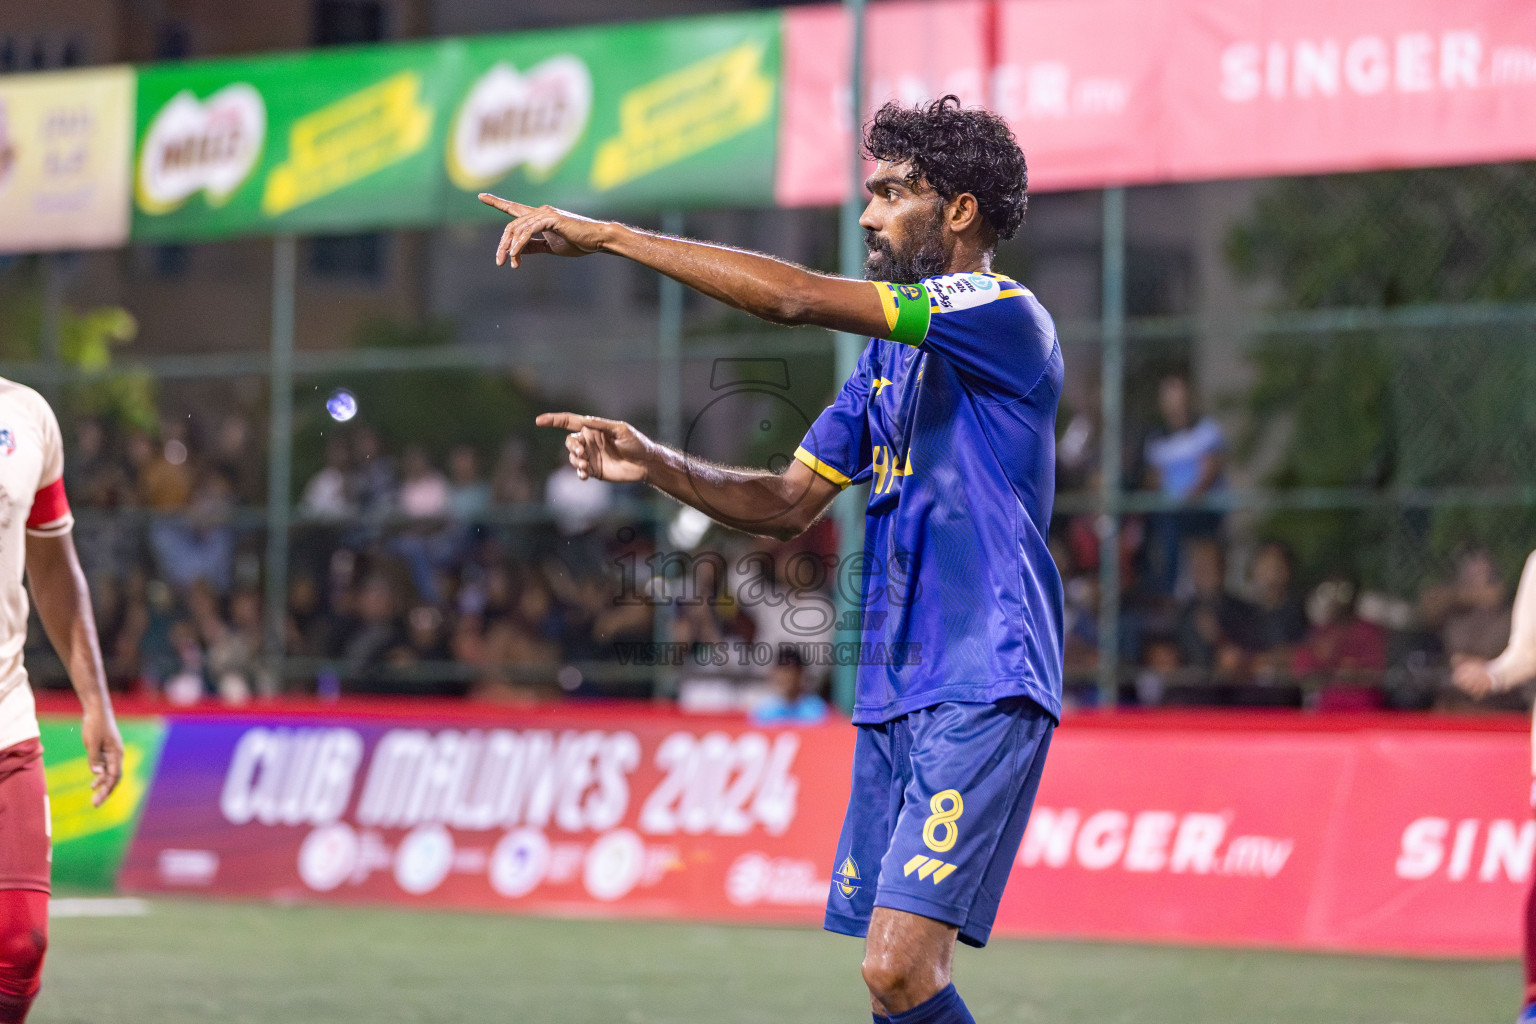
x=1414 y=408
x=1394 y=238
x=86 y=341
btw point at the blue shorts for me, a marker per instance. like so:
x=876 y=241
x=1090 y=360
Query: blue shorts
x=938 y=808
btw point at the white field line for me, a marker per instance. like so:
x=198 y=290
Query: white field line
x=110 y=906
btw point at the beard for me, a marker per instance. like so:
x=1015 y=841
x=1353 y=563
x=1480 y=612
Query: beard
x=922 y=256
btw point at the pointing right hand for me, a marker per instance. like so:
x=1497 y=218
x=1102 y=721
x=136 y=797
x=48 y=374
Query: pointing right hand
x=602 y=449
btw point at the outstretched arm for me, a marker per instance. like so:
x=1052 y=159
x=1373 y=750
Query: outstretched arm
x=772 y=289
x=64 y=605
x=1518 y=662
x=778 y=505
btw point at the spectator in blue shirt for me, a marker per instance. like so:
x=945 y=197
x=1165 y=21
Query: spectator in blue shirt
x=1185 y=461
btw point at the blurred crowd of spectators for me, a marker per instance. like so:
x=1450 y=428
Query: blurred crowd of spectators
x=468 y=575
x=1258 y=639
x=1209 y=618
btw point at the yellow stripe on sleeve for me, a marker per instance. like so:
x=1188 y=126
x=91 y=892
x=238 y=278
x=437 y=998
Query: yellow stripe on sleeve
x=887 y=303
x=822 y=469
x=1009 y=287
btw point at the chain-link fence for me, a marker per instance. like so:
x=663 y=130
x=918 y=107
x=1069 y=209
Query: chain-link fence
x=1326 y=486
x=1320 y=490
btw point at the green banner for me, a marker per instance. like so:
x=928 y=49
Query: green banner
x=643 y=116
x=326 y=141
x=633 y=117
x=89 y=842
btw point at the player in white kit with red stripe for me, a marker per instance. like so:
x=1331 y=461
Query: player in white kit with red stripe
x=36 y=542
x=1515 y=666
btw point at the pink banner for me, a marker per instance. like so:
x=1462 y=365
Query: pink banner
x=1372 y=840
x=914 y=50
x=1373 y=834
x=1257 y=87
x=1109 y=92
x=1080 y=82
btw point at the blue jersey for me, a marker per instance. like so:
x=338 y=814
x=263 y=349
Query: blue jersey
x=952 y=424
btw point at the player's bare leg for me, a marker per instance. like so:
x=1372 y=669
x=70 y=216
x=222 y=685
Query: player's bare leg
x=907 y=959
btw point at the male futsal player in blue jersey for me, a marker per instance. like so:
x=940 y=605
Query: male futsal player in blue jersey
x=950 y=417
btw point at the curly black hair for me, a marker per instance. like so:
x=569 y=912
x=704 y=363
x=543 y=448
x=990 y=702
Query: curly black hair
x=956 y=150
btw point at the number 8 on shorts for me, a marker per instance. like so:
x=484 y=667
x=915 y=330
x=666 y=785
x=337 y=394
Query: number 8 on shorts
x=940 y=831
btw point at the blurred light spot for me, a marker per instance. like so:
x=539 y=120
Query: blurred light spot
x=688 y=528
x=342 y=405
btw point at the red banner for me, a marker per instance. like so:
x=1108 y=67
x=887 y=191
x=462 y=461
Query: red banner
x=913 y=50
x=1080 y=81
x=1371 y=840
x=1371 y=834
x=1110 y=92
x=1305 y=86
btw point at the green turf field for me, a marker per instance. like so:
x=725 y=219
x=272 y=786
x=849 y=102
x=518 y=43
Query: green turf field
x=189 y=962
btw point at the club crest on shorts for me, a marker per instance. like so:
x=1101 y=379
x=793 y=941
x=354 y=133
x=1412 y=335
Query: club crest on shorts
x=7 y=441
x=846 y=878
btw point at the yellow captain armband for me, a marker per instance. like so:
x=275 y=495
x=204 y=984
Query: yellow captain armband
x=907 y=309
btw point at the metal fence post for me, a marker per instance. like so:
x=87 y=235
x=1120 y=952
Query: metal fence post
x=1112 y=385
x=669 y=352
x=279 y=451
x=669 y=430
x=849 y=512
x=52 y=342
